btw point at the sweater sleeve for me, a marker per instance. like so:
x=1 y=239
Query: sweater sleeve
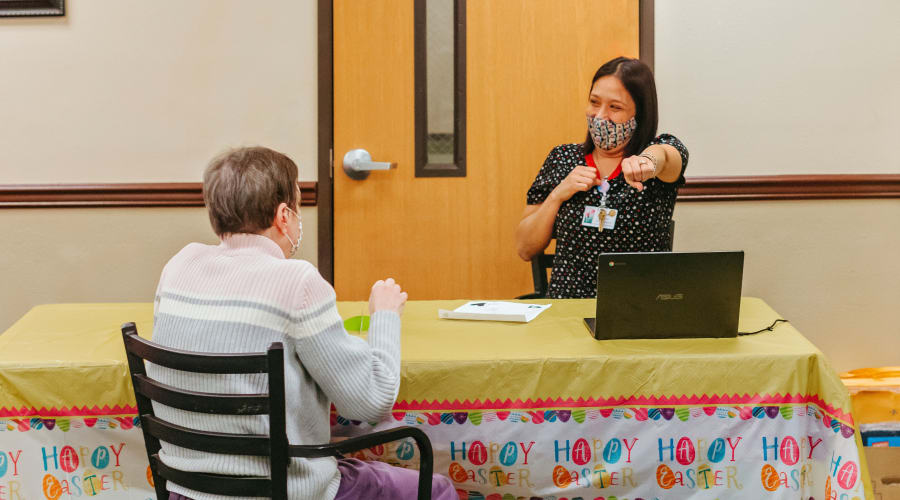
x=360 y=377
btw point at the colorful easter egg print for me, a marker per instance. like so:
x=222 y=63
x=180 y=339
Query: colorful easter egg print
x=667 y=413
x=640 y=414
x=502 y=415
x=447 y=418
x=136 y=421
x=618 y=413
x=799 y=411
x=787 y=412
x=654 y=413
x=847 y=431
x=342 y=421
x=332 y=420
x=433 y=418
x=90 y=422
x=771 y=411
x=49 y=423
x=683 y=414
x=605 y=412
x=759 y=412
x=745 y=412
x=722 y=412
x=769 y=477
x=489 y=416
x=710 y=410
x=63 y=424
x=578 y=415
x=36 y=423
x=564 y=415
x=592 y=414
x=835 y=426
x=475 y=417
x=696 y=412
x=23 y=425
x=826 y=421
x=457 y=472
x=460 y=417
x=537 y=417
x=550 y=416
x=398 y=415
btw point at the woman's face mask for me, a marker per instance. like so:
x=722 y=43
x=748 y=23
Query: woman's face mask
x=608 y=135
x=295 y=246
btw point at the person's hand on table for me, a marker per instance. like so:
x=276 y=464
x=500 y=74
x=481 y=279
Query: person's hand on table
x=387 y=296
x=637 y=170
x=581 y=178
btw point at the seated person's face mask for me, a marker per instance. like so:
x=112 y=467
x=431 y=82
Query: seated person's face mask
x=295 y=246
x=608 y=135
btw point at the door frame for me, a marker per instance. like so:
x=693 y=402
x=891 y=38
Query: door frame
x=326 y=160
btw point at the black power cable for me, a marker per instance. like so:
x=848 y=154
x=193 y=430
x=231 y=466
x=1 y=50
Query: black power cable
x=767 y=329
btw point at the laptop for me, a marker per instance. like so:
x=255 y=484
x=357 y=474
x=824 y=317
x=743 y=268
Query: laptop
x=667 y=295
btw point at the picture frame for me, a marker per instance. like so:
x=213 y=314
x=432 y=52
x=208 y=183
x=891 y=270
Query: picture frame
x=32 y=8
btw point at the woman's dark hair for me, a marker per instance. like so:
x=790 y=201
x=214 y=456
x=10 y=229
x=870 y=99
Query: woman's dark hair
x=637 y=79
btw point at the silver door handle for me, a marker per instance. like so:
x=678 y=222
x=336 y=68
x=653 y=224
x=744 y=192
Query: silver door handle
x=358 y=163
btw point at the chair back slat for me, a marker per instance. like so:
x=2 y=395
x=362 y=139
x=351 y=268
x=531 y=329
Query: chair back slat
x=201 y=402
x=197 y=362
x=210 y=442
x=215 y=484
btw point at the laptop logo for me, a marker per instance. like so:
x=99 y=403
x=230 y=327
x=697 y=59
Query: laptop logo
x=670 y=296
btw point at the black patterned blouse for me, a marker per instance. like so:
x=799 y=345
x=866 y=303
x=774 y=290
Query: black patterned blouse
x=642 y=224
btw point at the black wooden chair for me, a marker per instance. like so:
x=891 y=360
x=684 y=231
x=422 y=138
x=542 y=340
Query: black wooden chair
x=543 y=262
x=275 y=445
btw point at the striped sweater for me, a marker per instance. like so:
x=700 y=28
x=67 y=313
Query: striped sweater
x=241 y=296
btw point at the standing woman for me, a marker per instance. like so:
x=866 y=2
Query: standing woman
x=613 y=193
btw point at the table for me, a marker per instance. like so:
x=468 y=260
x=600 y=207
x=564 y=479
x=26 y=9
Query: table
x=513 y=410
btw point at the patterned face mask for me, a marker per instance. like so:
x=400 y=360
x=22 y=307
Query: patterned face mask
x=608 y=135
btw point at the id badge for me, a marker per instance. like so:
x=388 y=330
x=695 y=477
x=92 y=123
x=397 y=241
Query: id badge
x=591 y=217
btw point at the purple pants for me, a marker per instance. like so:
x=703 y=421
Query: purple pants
x=366 y=480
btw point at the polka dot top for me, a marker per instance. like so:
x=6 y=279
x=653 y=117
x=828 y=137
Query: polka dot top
x=642 y=224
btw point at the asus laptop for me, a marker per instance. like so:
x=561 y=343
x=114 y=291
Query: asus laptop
x=667 y=295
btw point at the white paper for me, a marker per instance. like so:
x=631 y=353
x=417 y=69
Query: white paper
x=495 y=311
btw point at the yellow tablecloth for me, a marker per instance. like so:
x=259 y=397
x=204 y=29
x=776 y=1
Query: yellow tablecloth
x=65 y=355
x=66 y=360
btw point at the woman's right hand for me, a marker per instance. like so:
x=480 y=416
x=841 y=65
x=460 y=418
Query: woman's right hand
x=386 y=296
x=581 y=178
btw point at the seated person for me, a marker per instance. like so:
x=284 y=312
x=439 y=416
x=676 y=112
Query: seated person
x=244 y=294
x=615 y=192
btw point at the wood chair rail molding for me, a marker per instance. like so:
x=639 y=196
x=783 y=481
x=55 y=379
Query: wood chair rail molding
x=159 y=194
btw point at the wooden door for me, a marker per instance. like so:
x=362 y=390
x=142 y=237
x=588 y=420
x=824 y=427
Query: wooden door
x=529 y=65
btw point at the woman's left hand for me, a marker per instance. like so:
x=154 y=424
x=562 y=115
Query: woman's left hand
x=637 y=170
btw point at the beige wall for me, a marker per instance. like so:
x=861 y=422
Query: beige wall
x=130 y=90
x=97 y=254
x=772 y=87
x=136 y=91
